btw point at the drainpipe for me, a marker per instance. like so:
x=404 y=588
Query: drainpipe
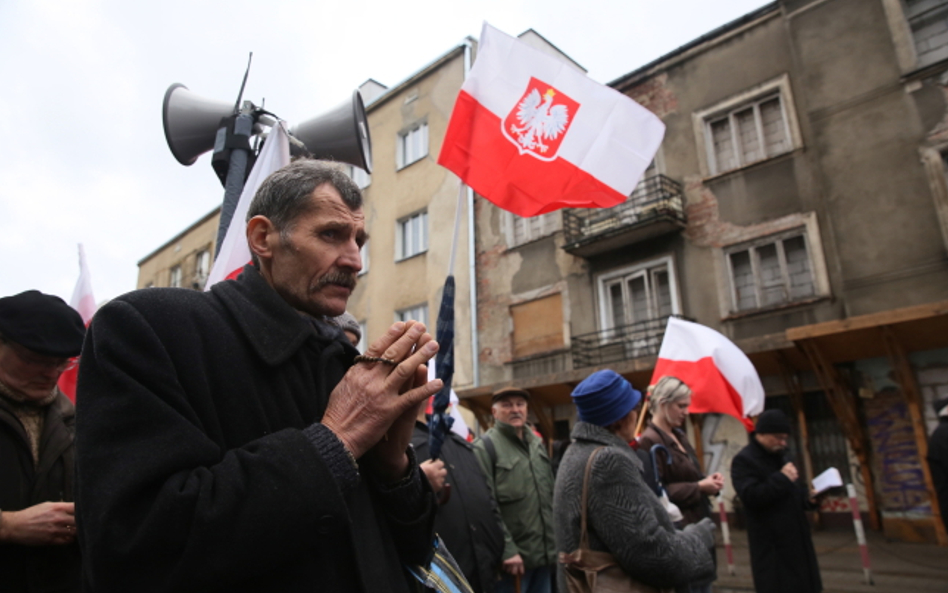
x=471 y=250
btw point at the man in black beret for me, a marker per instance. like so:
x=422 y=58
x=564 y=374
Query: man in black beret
x=40 y=336
x=778 y=532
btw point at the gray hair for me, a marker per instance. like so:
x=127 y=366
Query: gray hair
x=670 y=390
x=284 y=196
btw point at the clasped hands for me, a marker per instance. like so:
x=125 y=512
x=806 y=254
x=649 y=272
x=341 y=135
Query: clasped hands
x=373 y=409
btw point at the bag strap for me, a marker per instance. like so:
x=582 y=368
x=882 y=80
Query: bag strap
x=584 y=534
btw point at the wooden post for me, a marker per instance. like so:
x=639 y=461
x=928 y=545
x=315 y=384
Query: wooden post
x=796 y=397
x=906 y=379
x=844 y=407
x=642 y=416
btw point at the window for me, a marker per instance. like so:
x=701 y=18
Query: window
x=522 y=230
x=364 y=254
x=928 y=20
x=634 y=304
x=537 y=326
x=411 y=236
x=359 y=176
x=175 y=279
x=412 y=145
x=363 y=337
x=751 y=133
x=417 y=313
x=202 y=265
x=771 y=272
x=641 y=295
x=757 y=124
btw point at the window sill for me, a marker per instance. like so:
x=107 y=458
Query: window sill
x=406 y=165
x=531 y=241
x=412 y=256
x=783 y=155
x=737 y=315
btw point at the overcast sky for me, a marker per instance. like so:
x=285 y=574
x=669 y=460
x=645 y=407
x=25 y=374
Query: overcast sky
x=83 y=157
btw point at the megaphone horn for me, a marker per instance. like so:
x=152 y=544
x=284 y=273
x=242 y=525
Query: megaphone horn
x=341 y=134
x=191 y=122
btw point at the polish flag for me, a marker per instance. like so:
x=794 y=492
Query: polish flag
x=722 y=379
x=235 y=254
x=83 y=302
x=533 y=134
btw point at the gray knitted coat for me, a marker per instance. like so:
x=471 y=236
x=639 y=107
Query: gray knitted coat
x=625 y=517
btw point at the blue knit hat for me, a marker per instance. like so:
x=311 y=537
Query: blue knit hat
x=604 y=397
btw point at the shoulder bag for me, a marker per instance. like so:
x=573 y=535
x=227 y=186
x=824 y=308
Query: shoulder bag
x=590 y=571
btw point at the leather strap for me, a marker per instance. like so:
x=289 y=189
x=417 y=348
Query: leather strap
x=584 y=535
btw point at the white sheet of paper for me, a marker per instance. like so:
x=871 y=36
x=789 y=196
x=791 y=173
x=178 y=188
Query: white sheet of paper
x=826 y=480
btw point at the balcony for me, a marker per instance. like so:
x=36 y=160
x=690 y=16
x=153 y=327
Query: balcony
x=625 y=342
x=604 y=347
x=655 y=208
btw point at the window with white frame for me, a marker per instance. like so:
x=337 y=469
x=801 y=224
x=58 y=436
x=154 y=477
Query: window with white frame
x=522 y=230
x=757 y=124
x=363 y=340
x=772 y=271
x=417 y=313
x=412 y=145
x=364 y=254
x=175 y=279
x=202 y=265
x=634 y=295
x=411 y=236
x=359 y=176
x=928 y=20
x=753 y=132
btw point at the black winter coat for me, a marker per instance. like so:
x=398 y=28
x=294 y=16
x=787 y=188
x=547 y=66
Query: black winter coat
x=469 y=523
x=193 y=469
x=938 y=464
x=38 y=569
x=782 y=556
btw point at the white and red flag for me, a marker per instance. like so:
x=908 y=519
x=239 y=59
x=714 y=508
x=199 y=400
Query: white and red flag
x=235 y=253
x=722 y=379
x=83 y=302
x=532 y=134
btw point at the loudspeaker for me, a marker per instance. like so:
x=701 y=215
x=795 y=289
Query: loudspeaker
x=191 y=122
x=341 y=134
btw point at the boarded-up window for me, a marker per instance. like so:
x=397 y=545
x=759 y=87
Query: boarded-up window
x=537 y=326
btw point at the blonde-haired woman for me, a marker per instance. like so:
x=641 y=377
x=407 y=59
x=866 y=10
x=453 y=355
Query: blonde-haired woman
x=686 y=484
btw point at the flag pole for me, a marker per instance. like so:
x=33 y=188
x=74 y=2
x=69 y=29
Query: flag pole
x=641 y=422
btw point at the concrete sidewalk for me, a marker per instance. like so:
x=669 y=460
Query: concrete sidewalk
x=896 y=567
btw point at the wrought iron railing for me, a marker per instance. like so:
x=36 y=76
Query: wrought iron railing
x=620 y=343
x=656 y=197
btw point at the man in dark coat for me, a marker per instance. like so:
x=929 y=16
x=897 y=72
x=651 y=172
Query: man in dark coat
x=778 y=532
x=39 y=336
x=938 y=457
x=226 y=440
x=468 y=522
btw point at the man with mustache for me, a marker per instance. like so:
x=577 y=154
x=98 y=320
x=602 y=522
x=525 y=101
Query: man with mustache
x=234 y=440
x=520 y=477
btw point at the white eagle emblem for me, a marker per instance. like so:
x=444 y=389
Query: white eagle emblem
x=539 y=119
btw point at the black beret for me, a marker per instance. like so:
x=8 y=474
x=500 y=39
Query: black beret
x=772 y=422
x=42 y=323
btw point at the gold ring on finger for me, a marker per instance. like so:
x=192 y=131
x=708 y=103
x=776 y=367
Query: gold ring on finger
x=370 y=359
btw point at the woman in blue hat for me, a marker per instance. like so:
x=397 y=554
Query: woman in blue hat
x=625 y=520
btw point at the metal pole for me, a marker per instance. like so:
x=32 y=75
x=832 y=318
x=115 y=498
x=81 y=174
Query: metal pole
x=860 y=533
x=726 y=535
x=236 y=172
